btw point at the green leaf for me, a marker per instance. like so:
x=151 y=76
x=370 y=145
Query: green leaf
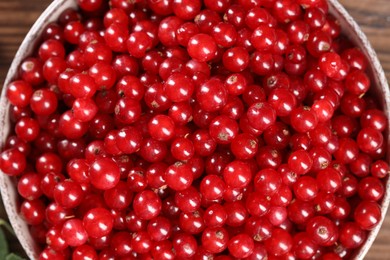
x=7 y=226
x=3 y=245
x=12 y=256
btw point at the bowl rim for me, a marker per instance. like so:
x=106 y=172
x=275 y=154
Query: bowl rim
x=379 y=78
x=9 y=195
x=51 y=13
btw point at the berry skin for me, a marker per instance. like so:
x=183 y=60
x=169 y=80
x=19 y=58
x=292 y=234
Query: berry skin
x=71 y=127
x=186 y=9
x=303 y=247
x=161 y=128
x=179 y=176
x=373 y=118
x=189 y=129
x=235 y=59
x=263 y=38
x=330 y=64
x=212 y=187
x=19 y=93
x=90 y=5
x=351 y=235
x=147 y=205
x=84 y=109
x=127 y=110
x=225 y=34
x=68 y=194
x=241 y=246
x=282 y=100
x=82 y=86
x=129 y=140
x=223 y=129
x=33 y=211
x=179 y=87
x=202 y=47
x=98 y=222
x=279 y=243
x=12 y=162
x=322 y=230
x=306 y=188
x=261 y=115
x=73 y=232
x=29 y=186
x=152 y=150
x=367 y=214
x=31 y=71
x=244 y=146
x=348 y=150
x=256 y=204
x=215 y=240
x=159 y=229
x=303 y=119
x=138 y=44
x=83 y=251
x=300 y=162
x=182 y=149
x=357 y=83
x=215 y=216
x=185 y=245
x=329 y=179
x=27 y=129
x=104 y=173
x=167 y=29
x=212 y=95
x=379 y=169
x=369 y=140
x=55 y=239
x=237 y=174
x=267 y=181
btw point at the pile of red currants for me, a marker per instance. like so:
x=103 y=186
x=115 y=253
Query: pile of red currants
x=189 y=129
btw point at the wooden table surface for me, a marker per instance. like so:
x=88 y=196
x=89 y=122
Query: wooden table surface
x=17 y=16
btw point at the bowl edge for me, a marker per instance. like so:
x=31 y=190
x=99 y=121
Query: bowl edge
x=7 y=183
x=378 y=75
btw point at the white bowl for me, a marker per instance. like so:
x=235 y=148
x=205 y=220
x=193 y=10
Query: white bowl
x=7 y=184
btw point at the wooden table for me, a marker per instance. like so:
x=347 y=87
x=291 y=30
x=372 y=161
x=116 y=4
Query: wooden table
x=16 y=17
